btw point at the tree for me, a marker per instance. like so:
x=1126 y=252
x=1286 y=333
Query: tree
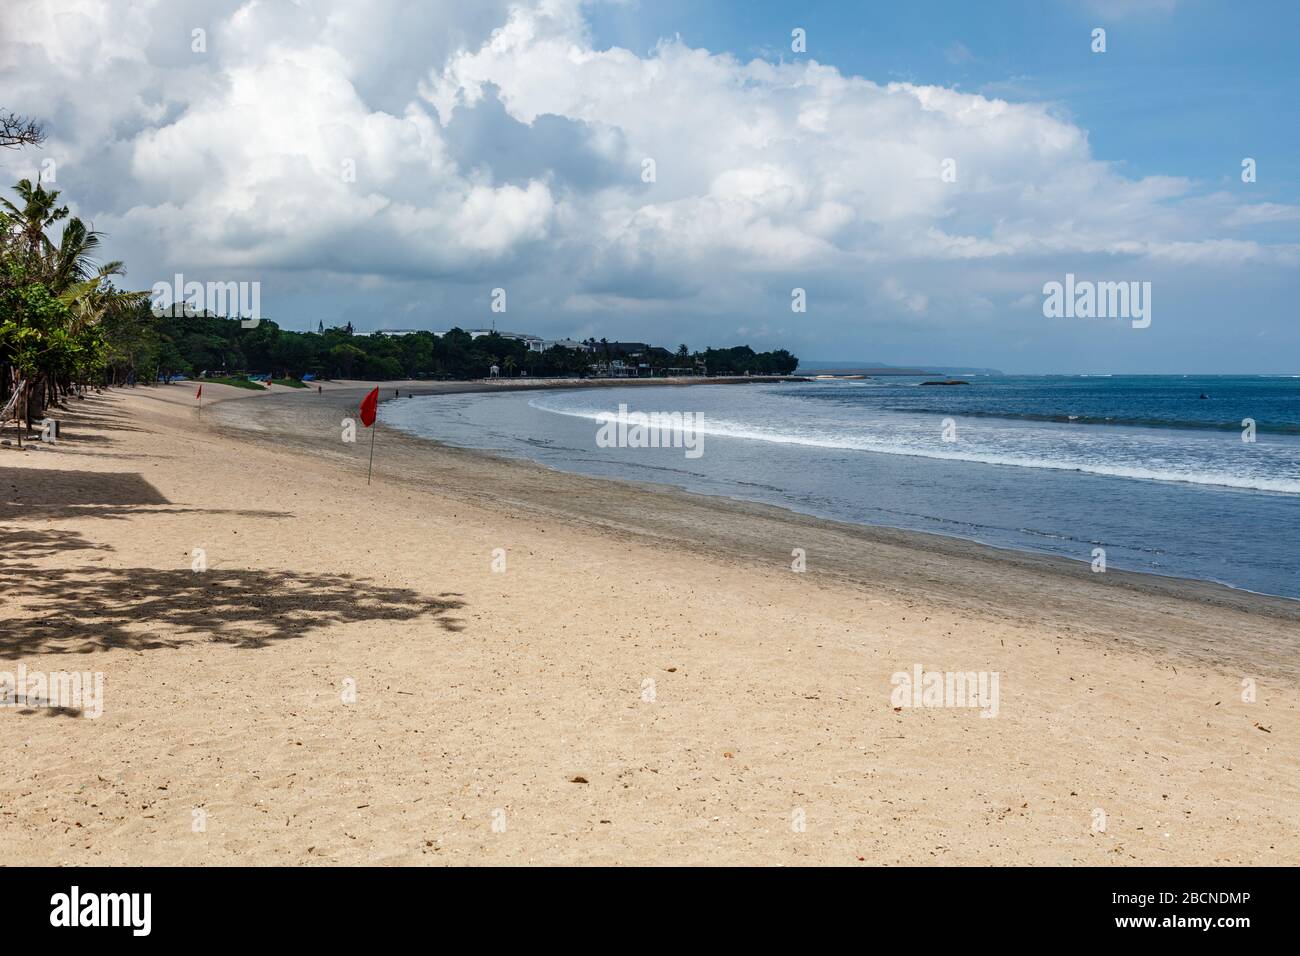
x=345 y=358
x=64 y=324
x=55 y=299
x=23 y=237
x=16 y=131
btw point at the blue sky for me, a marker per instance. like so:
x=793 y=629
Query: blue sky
x=1182 y=89
x=391 y=164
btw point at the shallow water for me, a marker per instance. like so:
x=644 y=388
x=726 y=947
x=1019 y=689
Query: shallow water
x=1141 y=467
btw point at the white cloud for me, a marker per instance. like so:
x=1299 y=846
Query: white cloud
x=768 y=175
x=1261 y=213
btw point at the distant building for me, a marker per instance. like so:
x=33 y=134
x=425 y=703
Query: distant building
x=621 y=348
x=535 y=343
x=627 y=359
x=387 y=332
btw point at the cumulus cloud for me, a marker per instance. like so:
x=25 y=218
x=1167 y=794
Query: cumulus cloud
x=262 y=148
x=402 y=157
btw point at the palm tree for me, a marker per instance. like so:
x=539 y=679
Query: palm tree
x=509 y=365
x=23 y=234
x=91 y=300
x=55 y=345
x=74 y=259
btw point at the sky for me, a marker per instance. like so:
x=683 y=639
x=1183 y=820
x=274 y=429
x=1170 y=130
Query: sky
x=672 y=172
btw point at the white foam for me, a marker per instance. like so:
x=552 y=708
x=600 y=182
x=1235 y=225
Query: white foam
x=911 y=445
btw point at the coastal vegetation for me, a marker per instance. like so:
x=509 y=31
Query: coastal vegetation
x=236 y=381
x=58 y=302
x=191 y=344
x=67 y=323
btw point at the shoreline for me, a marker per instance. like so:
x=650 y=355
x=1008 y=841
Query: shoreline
x=644 y=680
x=417 y=386
x=1216 y=592
x=748 y=531
x=1064 y=562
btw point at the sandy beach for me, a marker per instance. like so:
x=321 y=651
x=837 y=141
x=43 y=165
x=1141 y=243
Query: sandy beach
x=481 y=661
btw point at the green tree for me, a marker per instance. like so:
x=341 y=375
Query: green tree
x=52 y=349
x=345 y=358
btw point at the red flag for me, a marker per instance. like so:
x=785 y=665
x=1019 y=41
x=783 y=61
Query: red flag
x=369 y=405
x=199 y=393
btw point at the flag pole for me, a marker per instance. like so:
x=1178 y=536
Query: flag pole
x=373 y=428
x=370 y=418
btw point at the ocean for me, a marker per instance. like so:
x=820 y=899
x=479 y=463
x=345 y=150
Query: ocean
x=1141 y=470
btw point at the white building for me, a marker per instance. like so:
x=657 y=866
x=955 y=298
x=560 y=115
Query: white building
x=535 y=343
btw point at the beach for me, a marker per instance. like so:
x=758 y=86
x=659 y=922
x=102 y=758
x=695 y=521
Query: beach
x=474 y=660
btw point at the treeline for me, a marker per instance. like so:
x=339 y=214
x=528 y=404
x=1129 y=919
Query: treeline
x=65 y=325
x=192 y=345
x=149 y=346
x=741 y=359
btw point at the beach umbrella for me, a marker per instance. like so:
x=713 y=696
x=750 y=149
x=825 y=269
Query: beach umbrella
x=198 y=397
x=369 y=410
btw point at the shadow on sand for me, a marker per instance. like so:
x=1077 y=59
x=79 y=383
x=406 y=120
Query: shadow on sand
x=87 y=609
x=92 y=607
x=60 y=493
